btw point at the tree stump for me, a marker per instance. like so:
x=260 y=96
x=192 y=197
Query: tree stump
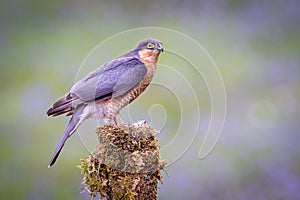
x=125 y=164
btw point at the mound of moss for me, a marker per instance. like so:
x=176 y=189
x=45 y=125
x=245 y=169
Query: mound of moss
x=125 y=164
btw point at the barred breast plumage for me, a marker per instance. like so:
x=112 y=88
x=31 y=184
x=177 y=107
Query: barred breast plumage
x=114 y=105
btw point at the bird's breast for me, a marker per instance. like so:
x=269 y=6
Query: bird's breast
x=114 y=105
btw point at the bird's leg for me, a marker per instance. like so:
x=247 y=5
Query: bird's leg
x=115 y=120
x=120 y=118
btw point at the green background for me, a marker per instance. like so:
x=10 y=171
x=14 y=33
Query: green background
x=255 y=45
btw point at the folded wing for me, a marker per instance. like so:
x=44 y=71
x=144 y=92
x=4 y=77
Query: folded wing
x=112 y=80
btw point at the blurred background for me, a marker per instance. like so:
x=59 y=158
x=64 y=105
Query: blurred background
x=255 y=45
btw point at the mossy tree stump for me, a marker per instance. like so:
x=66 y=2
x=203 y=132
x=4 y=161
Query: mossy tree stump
x=125 y=164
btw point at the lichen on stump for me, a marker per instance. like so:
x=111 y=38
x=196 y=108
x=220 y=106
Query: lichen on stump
x=125 y=164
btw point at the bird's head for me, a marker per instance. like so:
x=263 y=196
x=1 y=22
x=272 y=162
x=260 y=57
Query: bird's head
x=152 y=45
x=150 y=49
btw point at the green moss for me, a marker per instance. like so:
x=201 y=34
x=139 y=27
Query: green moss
x=125 y=163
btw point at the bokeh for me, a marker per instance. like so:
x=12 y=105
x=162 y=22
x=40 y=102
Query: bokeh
x=255 y=45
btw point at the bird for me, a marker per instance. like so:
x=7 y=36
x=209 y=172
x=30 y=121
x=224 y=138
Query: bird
x=107 y=89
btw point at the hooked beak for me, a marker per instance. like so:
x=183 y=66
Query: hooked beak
x=160 y=47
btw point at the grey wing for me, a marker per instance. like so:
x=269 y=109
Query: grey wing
x=113 y=80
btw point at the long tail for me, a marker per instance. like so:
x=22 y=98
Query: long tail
x=70 y=129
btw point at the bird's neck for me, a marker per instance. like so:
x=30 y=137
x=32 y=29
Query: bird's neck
x=149 y=57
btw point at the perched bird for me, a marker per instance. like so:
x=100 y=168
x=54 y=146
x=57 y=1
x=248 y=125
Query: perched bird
x=106 y=90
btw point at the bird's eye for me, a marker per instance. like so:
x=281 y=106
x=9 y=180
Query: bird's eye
x=150 y=45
